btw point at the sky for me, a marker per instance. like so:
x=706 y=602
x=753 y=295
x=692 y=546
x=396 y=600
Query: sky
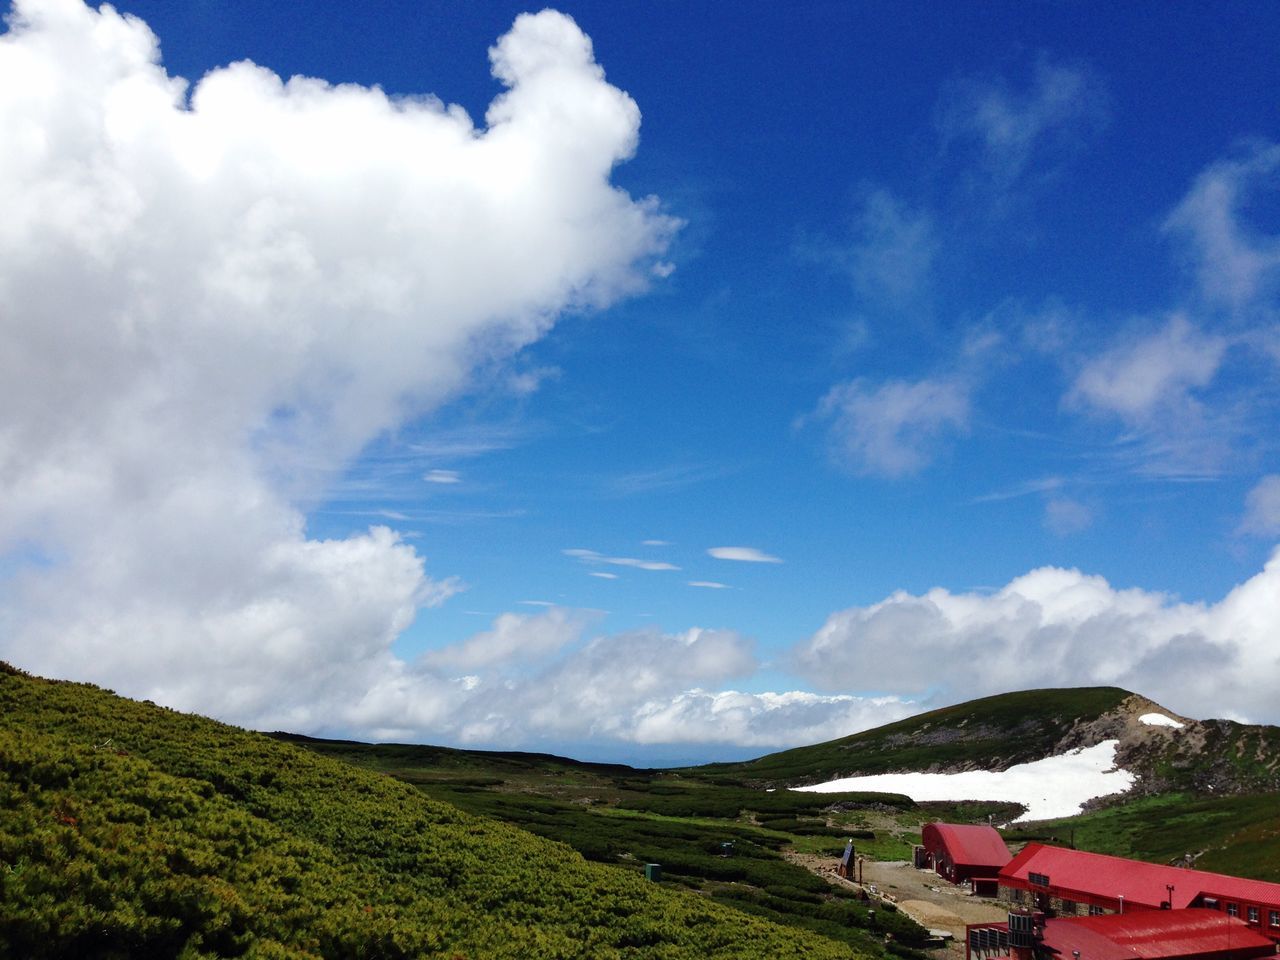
x=648 y=382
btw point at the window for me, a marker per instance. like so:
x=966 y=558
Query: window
x=1253 y=914
x=1069 y=908
x=1233 y=909
x=1095 y=910
x=1273 y=918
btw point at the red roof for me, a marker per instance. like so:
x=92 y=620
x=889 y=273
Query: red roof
x=967 y=845
x=1155 y=934
x=1138 y=882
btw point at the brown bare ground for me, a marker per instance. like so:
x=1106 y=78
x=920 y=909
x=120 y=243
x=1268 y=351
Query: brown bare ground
x=921 y=894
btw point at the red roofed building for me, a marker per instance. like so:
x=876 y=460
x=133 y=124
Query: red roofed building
x=1066 y=882
x=1144 y=935
x=960 y=852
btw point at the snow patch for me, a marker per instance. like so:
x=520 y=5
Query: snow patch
x=1159 y=720
x=1049 y=788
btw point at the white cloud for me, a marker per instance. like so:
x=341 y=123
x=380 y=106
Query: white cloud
x=644 y=688
x=1040 y=485
x=527 y=382
x=1234 y=263
x=893 y=429
x=708 y=584
x=1064 y=516
x=656 y=543
x=1181 y=418
x=1262 y=508
x=1053 y=627
x=764 y=720
x=212 y=303
x=592 y=557
x=1011 y=130
x=892 y=256
x=1149 y=375
x=602 y=575
x=442 y=476
x=743 y=555
x=594 y=691
x=662 y=479
x=514 y=639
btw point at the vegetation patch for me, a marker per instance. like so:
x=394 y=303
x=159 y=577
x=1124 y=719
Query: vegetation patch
x=127 y=830
x=992 y=733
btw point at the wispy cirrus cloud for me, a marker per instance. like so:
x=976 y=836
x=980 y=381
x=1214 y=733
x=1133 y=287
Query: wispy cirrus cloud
x=895 y=428
x=1235 y=263
x=1065 y=516
x=663 y=479
x=1158 y=383
x=515 y=639
x=1184 y=390
x=891 y=255
x=1020 y=134
x=1154 y=374
x=742 y=554
x=1262 y=509
x=594 y=557
x=1038 y=486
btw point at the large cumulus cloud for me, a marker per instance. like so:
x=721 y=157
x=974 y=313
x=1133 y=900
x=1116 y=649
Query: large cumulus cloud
x=213 y=297
x=1054 y=627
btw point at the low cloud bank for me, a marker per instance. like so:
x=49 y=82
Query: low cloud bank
x=1054 y=628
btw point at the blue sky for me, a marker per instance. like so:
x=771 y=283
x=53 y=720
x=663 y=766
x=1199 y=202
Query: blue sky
x=961 y=320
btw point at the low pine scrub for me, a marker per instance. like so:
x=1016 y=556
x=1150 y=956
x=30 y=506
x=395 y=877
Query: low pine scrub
x=127 y=830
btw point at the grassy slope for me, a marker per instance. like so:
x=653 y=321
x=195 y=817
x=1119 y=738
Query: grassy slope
x=128 y=830
x=627 y=817
x=450 y=761
x=993 y=732
x=1238 y=834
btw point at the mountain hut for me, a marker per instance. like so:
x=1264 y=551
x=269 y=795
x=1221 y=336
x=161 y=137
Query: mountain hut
x=1193 y=934
x=960 y=852
x=1064 y=882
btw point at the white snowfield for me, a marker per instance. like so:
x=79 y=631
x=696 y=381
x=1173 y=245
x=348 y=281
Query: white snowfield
x=1049 y=788
x=1160 y=720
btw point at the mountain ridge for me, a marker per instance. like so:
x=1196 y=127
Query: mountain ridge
x=997 y=732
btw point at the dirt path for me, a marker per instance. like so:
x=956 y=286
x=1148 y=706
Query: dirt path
x=921 y=894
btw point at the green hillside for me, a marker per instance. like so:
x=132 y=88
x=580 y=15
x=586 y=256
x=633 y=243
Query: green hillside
x=128 y=830
x=1206 y=790
x=992 y=733
x=626 y=817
